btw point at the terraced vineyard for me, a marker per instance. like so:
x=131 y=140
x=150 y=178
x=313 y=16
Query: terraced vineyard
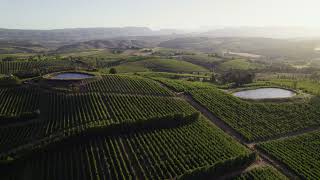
x=261 y=173
x=118 y=127
x=127 y=85
x=300 y=153
x=64 y=111
x=158 y=105
x=255 y=121
x=13 y=67
x=14 y=136
x=159 y=154
x=14 y=101
x=41 y=66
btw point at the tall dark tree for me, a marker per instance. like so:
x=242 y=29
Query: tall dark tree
x=238 y=77
x=113 y=71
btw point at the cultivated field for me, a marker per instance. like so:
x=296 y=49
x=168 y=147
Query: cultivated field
x=300 y=153
x=253 y=120
x=166 y=114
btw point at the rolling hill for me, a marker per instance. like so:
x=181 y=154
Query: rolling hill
x=12 y=47
x=274 y=48
x=160 y=65
x=240 y=64
x=102 y=44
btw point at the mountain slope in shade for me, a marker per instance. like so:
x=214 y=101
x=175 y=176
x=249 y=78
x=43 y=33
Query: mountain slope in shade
x=103 y=44
x=10 y=47
x=77 y=34
x=80 y=34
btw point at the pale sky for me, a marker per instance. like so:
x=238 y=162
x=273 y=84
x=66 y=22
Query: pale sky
x=53 y=14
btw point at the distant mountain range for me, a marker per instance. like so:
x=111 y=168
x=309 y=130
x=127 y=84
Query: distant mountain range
x=269 y=47
x=11 y=47
x=266 y=32
x=103 y=44
x=87 y=34
x=78 y=34
x=273 y=42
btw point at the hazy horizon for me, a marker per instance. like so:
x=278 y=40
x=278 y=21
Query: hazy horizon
x=178 y=14
x=200 y=28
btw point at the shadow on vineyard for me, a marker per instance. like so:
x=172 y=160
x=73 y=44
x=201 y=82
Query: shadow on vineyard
x=117 y=122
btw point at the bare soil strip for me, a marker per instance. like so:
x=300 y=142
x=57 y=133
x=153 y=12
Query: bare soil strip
x=218 y=122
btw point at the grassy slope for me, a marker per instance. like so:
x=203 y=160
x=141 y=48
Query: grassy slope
x=97 y=53
x=240 y=64
x=22 y=55
x=174 y=75
x=305 y=85
x=131 y=67
x=165 y=65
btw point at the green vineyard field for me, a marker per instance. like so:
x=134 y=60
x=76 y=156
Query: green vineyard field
x=254 y=120
x=14 y=101
x=13 y=67
x=300 y=153
x=261 y=173
x=138 y=103
x=64 y=111
x=158 y=154
x=59 y=111
x=127 y=85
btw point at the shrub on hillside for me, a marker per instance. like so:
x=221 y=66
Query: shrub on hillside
x=238 y=77
x=113 y=71
x=27 y=74
x=220 y=168
x=9 y=80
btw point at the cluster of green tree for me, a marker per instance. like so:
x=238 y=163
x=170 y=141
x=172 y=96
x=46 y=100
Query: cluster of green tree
x=238 y=77
x=113 y=71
